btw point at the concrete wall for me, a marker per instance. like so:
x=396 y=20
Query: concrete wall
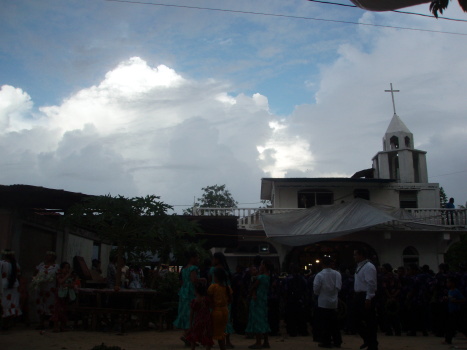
x=105 y=254
x=78 y=246
x=390 y=245
x=387 y=194
x=6 y=224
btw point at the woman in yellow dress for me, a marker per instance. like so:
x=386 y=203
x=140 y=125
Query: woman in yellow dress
x=221 y=296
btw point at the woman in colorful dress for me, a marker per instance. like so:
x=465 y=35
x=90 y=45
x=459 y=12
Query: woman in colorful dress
x=221 y=297
x=44 y=283
x=9 y=270
x=200 y=319
x=67 y=283
x=219 y=261
x=189 y=276
x=258 y=314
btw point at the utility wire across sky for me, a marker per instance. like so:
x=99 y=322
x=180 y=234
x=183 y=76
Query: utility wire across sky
x=286 y=16
x=397 y=11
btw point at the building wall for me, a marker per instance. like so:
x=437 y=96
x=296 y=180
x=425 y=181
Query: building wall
x=387 y=196
x=5 y=229
x=34 y=242
x=78 y=246
x=390 y=245
x=286 y=196
x=105 y=254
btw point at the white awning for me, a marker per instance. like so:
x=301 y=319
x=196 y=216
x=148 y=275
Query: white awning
x=321 y=223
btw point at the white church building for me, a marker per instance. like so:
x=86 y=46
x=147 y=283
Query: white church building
x=391 y=209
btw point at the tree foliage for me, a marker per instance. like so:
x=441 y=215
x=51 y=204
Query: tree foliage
x=443 y=198
x=457 y=253
x=441 y=5
x=135 y=225
x=216 y=196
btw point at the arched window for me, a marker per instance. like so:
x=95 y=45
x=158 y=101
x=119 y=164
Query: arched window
x=394 y=141
x=310 y=198
x=407 y=142
x=410 y=256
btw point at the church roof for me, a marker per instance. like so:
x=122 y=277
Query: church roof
x=397 y=125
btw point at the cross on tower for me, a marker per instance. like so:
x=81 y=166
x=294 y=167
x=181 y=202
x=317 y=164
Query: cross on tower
x=392 y=94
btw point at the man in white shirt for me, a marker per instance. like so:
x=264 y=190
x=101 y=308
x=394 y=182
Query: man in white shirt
x=326 y=286
x=364 y=311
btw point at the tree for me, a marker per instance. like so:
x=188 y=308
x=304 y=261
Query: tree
x=134 y=225
x=443 y=198
x=216 y=196
x=441 y=5
x=391 y=5
x=457 y=253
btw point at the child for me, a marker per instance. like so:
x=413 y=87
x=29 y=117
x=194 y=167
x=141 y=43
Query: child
x=454 y=320
x=258 y=314
x=67 y=282
x=200 y=319
x=221 y=296
x=219 y=260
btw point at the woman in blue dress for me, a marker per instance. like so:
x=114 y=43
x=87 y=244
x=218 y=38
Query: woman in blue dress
x=189 y=276
x=219 y=261
x=258 y=314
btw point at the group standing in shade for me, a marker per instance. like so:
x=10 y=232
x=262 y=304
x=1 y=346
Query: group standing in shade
x=10 y=296
x=195 y=301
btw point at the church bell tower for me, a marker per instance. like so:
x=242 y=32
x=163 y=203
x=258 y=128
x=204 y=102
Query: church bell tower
x=399 y=160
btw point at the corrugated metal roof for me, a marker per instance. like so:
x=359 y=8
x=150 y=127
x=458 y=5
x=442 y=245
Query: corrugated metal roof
x=27 y=196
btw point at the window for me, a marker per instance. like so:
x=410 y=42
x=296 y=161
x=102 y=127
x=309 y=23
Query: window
x=407 y=142
x=361 y=193
x=394 y=141
x=310 y=198
x=410 y=256
x=408 y=199
x=96 y=250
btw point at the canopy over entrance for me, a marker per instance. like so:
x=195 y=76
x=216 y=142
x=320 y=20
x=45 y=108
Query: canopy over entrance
x=321 y=223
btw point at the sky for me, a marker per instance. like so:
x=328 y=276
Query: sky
x=109 y=97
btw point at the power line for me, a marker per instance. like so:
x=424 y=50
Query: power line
x=456 y=172
x=284 y=16
x=397 y=11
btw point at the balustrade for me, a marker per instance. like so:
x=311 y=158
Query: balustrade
x=249 y=218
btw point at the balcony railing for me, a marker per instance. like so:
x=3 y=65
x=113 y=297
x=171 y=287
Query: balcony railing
x=442 y=217
x=249 y=218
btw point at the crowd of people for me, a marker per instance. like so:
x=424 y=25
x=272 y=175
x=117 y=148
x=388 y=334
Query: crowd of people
x=407 y=301
x=215 y=302
x=52 y=288
x=207 y=301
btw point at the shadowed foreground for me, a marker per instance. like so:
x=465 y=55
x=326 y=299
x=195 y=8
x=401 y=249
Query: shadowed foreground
x=21 y=338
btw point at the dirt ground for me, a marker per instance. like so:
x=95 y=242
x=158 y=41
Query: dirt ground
x=27 y=338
